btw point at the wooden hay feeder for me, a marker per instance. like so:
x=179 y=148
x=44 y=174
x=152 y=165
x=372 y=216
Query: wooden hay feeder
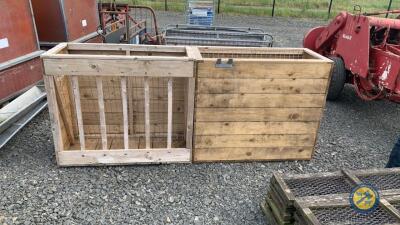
x=120 y=104
x=258 y=103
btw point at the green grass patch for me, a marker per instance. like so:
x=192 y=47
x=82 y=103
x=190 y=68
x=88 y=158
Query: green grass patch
x=283 y=8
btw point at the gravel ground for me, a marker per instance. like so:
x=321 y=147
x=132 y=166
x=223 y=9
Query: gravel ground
x=33 y=190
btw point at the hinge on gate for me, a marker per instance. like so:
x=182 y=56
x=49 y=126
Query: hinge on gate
x=220 y=64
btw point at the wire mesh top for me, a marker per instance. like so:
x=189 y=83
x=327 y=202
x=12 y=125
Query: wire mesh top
x=346 y=215
x=318 y=186
x=382 y=181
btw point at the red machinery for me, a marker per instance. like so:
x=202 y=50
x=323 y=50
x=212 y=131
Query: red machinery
x=123 y=23
x=366 y=53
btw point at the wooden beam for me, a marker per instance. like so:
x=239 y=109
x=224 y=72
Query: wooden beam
x=123 y=157
x=77 y=99
x=190 y=89
x=169 y=138
x=54 y=114
x=125 y=47
x=112 y=65
x=125 y=112
x=147 y=111
x=102 y=114
x=57 y=49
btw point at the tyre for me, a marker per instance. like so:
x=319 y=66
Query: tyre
x=338 y=79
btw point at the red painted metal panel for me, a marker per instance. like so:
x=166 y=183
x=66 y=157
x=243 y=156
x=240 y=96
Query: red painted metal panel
x=82 y=17
x=49 y=20
x=65 y=20
x=19 y=77
x=16 y=30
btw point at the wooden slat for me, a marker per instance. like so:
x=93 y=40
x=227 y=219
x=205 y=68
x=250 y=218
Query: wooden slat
x=119 y=67
x=262 y=86
x=265 y=153
x=103 y=126
x=258 y=69
x=193 y=53
x=254 y=141
x=125 y=112
x=169 y=138
x=54 y=114
x=125 y=47
x=123 y=157
x=257 y=114
x=147 y=111
x=63 y=102
x=190 y=93
x=212 y=128
x=260 y=100
x=57 y=49
x=77 y=99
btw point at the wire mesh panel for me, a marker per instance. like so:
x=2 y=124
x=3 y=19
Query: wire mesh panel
x=216 y=36
x=382 y=181
x=200 y=12
x=337 y=210
x=319 y=186
x=347 y=215
x=328 y=191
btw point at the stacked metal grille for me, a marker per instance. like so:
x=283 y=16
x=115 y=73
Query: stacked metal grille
x=216 y=36
x=324 y=198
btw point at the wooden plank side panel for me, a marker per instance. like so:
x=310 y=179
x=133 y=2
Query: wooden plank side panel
x=254 y=141
x=123 y=157
x=252 y=154
x=262 y=86
x=266 y=69
x=258 y=114
x=260 y=100
x=221 y=128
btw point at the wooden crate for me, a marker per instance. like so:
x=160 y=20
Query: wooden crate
x=258 y=103
x=120 y=104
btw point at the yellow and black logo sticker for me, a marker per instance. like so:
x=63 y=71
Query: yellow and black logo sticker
x=364 y=198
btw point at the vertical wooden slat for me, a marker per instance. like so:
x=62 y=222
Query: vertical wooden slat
x=169 y=136
x=125 y=112
x=54 y=114
x=190 y=88
x=77 y=99
x=147 y=110
x=102 y=114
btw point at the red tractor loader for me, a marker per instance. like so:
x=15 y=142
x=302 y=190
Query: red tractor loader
x=365 y=51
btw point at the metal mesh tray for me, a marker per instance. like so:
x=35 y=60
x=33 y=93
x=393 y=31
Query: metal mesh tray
x=216 y=36
x=337 y=210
